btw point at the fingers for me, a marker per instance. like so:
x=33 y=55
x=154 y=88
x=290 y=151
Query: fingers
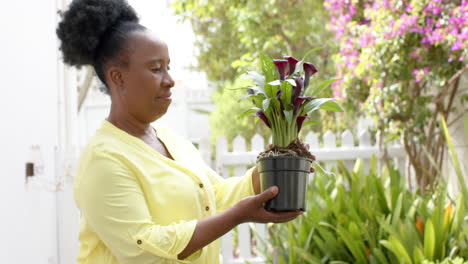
x=268 y=194
x=312 y=170
x=281 y=217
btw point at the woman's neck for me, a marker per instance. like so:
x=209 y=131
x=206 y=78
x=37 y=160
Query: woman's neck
x=130 y=124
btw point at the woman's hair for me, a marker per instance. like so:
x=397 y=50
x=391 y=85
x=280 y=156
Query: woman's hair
x=94 y=32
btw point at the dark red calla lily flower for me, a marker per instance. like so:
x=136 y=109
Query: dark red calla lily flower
x=281 y=66
x=299 y=85
x=292 y=64
x=279 y=93
x=300 y=120
x=309 y=70
x=263 y=117
x=299 y=100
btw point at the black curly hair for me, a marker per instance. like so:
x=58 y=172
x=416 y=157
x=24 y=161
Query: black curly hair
x=94 y=32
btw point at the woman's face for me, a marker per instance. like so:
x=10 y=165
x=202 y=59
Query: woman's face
x=145 y=91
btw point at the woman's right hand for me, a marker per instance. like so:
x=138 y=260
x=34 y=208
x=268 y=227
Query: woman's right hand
x=251 y=209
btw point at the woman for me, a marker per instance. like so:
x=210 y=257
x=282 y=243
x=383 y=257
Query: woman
x=145 y=195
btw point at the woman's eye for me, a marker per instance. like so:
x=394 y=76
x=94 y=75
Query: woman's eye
x=156 y=69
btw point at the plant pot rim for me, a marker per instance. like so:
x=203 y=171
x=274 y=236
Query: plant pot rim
x=284 y=157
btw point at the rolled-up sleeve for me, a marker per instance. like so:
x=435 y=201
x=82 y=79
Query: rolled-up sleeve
x=112 y=202
x=231 y=190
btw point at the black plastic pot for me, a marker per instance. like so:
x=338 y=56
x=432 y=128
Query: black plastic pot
x=290 y=174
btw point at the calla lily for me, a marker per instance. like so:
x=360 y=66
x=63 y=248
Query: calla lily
x=263 y=117
x=309 y=70
x=281 y=66
x=300 y=120
x=299 y=100
x=292 y=64
x=279 y=93
x=298 y=89
x=280 y=102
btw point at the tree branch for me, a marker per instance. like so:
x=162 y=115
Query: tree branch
x=456 y=76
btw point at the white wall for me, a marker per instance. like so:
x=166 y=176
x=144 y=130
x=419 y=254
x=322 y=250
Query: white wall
x=28 y=115
x=37 y=223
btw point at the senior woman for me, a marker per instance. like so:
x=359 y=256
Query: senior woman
x=145 y=194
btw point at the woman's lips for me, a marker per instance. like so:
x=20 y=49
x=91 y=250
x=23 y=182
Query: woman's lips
x=166 y=97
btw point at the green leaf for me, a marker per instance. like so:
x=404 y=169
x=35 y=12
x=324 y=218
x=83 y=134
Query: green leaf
x=301 y=62
x=286 y=88
x=429 y=240
x=312 y=51
x=379 y=255
x=275 y=83
x=397 y=209
x=353 y=245
x=331 y=106
x=418 y=255
x=310 y=122
x=458 y=215
x=394 y=245
x=315 y=104
x=266 y=104
x=245 y=97
x=456 y=164
x=289 y=115
x=202 y=111
x=322 y=86
x=248 y=112
x=291 y=81
x=257 y=78
x=268 y=68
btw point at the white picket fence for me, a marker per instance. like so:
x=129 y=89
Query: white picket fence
x=250 y=237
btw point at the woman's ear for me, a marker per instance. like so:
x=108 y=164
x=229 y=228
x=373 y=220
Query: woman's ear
x=115 y=77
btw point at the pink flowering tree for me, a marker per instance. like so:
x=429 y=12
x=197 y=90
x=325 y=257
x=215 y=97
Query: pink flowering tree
x=401 y=62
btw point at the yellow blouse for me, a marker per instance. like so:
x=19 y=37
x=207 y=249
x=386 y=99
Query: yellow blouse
x=137 y=206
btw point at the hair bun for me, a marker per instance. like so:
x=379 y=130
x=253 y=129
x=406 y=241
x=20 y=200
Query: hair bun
x=85 y=22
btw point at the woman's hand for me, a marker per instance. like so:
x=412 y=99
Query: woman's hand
x=250 y=209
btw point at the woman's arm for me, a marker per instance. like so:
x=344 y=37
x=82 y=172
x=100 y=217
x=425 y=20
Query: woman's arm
x=256 y=180
x=249 y=209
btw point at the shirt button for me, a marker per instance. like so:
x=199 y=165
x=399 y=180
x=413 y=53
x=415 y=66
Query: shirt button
x=207 y=208
x=201 y=185
x=139 y=242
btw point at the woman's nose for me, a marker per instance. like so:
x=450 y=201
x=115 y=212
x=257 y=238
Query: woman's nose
x=168 y=81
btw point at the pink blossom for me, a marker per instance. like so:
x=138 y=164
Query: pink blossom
x=408 y=8
x=436 y=10
x=437 y=36
x=418 y=75
x=457 y=45
x=336 y=94
x=366 y=40
x=429 y=21
x=414 y=54
x=352 y=10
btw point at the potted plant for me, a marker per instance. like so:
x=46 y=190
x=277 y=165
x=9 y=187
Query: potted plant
x=277 y=93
